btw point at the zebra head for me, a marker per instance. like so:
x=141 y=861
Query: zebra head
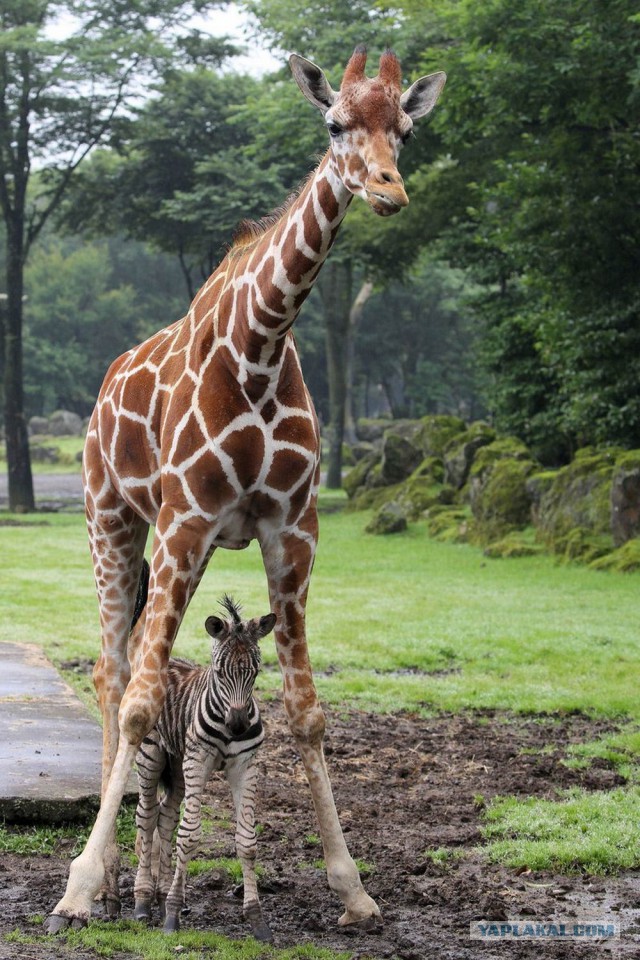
x=235 y=658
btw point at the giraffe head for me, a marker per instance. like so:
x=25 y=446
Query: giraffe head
x=235 y=658
x=368 y=121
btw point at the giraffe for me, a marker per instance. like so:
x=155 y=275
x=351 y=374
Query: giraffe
x=207 y=431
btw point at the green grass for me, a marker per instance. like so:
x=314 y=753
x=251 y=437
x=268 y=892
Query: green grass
x=68 y=448
x=404 y=622
x=595 y=832
x=129 y=937
x=63 y=841
x=621 y=749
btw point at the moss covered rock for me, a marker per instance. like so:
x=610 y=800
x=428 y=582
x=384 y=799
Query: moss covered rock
x=579 y=497
x=390 y=518
x=371 y=429
x=581 y=546
x=512 y=546
x=625 y=498
x=357 y=477
x=436 y=433
x=626 y=559
x=461 y=451
x=448 y=525
x=373 y=498
x=400 y=456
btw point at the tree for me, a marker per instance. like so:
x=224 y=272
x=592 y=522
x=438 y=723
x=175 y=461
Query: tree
x=178 y=175
x=58 y=100
x=541 y=115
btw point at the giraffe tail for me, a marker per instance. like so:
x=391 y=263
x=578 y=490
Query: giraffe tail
x=143 y=592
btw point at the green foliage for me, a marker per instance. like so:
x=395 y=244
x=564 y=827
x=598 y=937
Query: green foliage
x=539 y=114
x=595 y=832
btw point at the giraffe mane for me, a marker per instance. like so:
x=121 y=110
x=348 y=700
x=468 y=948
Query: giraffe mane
x=248 y=231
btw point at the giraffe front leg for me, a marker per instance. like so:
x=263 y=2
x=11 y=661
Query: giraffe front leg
x=288 y=562
x=242 y=777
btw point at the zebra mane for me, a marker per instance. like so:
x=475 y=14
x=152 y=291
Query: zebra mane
x=232 y=608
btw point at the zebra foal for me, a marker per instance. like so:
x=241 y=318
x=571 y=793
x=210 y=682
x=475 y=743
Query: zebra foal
x=210 y=721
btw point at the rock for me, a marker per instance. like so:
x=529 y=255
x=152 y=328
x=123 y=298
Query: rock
x=499 y=494
x=371 y=430
x=362 y=449
x=581 y=546
x=625 y=498
x=390 y=518
x=436 y=433
x=460 y=453
x=65 y=423
x=42 y=454
x=357 y=477
x=626 y=559
x=497 y=487
x=580 y=496
x=38 y=426
x=448 y=525
x=399 y=457
x=510 y=547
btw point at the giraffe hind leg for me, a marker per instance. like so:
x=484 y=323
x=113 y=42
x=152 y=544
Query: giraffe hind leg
x=117 y=536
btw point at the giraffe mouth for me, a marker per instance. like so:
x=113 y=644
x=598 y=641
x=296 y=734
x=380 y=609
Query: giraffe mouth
x=384 y=204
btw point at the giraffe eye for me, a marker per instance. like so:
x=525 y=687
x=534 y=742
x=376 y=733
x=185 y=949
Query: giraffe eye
x=406 y=135
x=334 y=129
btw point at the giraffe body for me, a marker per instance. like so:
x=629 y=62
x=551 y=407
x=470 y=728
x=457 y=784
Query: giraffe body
x=208 y=432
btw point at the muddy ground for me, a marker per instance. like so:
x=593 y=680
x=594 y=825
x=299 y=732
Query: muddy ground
x=403 y=785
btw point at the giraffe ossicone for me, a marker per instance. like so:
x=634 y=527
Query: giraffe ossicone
x=207 y=431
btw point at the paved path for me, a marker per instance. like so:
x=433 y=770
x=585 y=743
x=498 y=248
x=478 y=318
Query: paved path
x=52 y=490
x=50 y=747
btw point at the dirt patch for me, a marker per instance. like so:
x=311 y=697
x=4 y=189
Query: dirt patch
x=403 y=786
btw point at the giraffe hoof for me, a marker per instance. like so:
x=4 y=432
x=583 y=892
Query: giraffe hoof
x=55 y=923
x=370 y=924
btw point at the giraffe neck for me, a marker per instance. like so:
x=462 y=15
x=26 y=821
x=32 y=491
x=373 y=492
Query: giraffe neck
x=268 y=278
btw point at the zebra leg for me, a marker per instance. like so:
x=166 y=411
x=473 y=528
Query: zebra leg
x=242 y=776
x=196 y=766
x=168 y=818
x=150 y=762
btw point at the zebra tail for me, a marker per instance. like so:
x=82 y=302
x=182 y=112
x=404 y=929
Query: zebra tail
x=142 y=594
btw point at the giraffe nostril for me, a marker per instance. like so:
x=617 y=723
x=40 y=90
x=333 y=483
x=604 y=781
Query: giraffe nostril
x=389 y=176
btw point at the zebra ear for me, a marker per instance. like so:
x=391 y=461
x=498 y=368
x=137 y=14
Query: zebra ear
x=214 y=626
x=266 y=625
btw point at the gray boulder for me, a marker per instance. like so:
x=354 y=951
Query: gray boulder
x=625 y=498
x=65 y=423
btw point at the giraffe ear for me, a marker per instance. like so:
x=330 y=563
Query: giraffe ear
x=312 y=82
x=266 y=625
x=422 y=96
x=215 y=627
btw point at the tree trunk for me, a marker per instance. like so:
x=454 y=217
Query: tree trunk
x=21 y=498
x=355 y=315
x=335 y=288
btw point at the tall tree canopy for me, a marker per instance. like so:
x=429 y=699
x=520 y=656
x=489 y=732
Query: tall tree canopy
x=58 y=99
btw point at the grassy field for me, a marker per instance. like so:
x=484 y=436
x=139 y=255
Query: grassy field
x=398 y=623
x=394 y=623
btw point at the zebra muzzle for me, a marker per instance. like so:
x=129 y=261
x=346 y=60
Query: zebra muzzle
x=237 y=720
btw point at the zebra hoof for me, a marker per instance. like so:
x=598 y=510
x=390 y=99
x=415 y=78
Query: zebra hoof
x=259 y=926
x=142 y=911
x=171 y=923
x=112 y=907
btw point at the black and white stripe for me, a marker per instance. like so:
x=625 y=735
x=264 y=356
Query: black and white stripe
x=210 y=721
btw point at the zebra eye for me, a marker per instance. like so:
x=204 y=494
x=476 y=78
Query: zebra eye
x=334 y=129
